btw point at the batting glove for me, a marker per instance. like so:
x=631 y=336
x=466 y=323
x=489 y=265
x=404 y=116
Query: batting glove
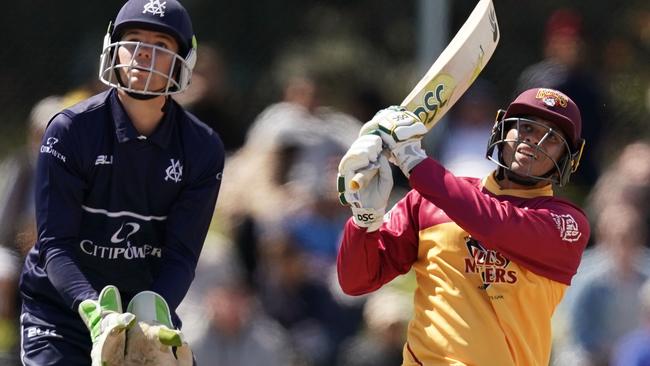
x=368 y=204
x=401 y=131
x=152 y=340
x=107 y=325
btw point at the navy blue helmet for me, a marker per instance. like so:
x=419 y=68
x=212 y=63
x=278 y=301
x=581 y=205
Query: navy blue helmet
x=165 y=16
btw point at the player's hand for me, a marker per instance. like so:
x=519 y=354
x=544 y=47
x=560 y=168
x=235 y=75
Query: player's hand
x=368 y=204
x=107 y=325
x=401 y=131
x=153 y=340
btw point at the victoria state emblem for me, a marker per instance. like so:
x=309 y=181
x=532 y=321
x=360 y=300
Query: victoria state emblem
x=174 y=171
x=155 y=7
x=490 y=264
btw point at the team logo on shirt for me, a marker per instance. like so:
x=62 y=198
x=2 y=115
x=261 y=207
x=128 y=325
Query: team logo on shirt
x=567 y=226
x=490 y=264
x=174 y=171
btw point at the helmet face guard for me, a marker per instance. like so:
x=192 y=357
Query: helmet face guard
x=562 y=168
x=177 y=77
x=169 y=17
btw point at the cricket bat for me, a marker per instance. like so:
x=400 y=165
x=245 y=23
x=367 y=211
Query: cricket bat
x=451 y=74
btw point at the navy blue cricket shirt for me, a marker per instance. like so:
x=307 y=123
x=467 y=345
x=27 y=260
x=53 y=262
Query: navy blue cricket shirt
x=115 y=207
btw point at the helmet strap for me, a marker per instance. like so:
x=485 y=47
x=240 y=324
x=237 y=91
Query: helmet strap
x=139 y=96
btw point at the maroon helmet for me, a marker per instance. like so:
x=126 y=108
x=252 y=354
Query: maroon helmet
x=550 y=105
x=553 y=106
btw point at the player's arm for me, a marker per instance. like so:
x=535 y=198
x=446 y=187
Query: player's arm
x=374 y=250
x=368 y=260
x=59 y=195
x=187 y=226
x=548 y=239
x=535 y=237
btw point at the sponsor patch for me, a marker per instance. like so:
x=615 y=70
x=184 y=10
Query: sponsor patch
x=48 y=148
x=491 y=265
x=34 y=332
x=104 y=160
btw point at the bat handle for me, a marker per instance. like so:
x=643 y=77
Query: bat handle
x=362 y=178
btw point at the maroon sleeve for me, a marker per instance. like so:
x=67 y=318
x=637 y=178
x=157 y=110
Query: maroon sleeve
x=366 y=261
x=546 y=236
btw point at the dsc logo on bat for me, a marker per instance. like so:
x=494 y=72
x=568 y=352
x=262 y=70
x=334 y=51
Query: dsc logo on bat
x=434 y=97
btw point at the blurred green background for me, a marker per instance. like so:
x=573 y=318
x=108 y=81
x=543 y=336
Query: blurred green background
x=353 y=46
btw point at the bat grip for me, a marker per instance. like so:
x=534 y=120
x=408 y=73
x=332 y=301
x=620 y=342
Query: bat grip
x=362 y=178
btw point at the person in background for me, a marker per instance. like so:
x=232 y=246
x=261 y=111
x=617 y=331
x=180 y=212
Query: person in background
x=616 y=264
x=9 y=332
x=223 y=319
x=607 y=304
x=565 y=67
x=386 y=314
x=634 y=348
x=210 y=99
x=17 y=224
x=290 y=150
x=470 y=122
x=17 y=181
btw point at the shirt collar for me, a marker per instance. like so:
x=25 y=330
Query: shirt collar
x=125 y=130
x=490 y=184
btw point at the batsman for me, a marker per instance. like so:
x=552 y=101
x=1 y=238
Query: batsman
x=492 y=257
x=126 y=185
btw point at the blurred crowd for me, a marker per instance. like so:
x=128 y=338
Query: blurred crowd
x=266 y=292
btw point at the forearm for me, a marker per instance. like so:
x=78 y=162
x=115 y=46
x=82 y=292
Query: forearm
x=67 y=278
x=174 y=281
x=187 y=228
x=364 y=263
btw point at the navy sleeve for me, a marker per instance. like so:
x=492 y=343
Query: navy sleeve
x=59 y=194
x=187 y=227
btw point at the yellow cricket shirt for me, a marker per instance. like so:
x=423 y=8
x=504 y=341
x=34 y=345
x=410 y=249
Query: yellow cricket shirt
x=491 y=266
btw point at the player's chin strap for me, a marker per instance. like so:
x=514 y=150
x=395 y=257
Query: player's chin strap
x=139 y=96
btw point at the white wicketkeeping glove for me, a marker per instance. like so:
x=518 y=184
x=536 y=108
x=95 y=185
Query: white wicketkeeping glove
x=107 y=325
x=368 y=204
x=401 y=131
x=150 y=342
